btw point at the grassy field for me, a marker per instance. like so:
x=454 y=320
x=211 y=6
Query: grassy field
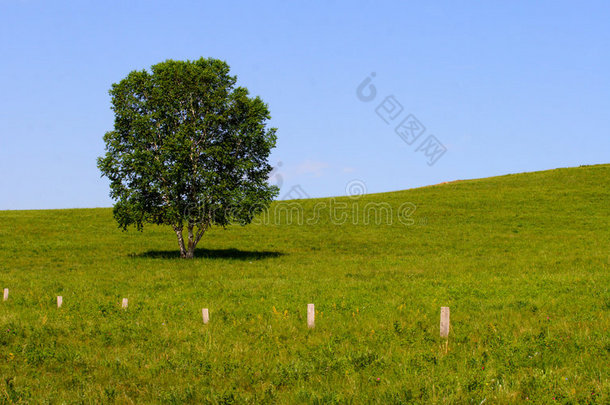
x=523 y=261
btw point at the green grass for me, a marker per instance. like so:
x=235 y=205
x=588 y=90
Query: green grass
x=522 y=260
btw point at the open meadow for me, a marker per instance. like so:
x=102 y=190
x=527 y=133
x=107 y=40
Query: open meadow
x=522 y=260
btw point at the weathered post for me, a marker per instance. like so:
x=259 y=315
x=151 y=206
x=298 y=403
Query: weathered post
x=445 y=322
x=311 y=316
x=60 y=301
x=124 y=303
x=206 y=315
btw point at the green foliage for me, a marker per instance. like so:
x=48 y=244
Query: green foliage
x=522 y=260
x=188 y=149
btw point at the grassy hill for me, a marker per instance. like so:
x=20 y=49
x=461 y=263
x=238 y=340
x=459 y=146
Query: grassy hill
x=523 y=261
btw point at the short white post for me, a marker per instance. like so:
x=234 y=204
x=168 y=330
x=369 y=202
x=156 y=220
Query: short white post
x=206 y=315
x=5 y=294
x=124 y=304
x=60 y=301
x=444 y=322
x=311 y=316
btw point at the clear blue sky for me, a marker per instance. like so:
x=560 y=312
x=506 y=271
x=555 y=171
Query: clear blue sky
x=506 y=87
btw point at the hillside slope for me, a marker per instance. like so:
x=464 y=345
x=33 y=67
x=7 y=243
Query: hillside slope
x=522 y=261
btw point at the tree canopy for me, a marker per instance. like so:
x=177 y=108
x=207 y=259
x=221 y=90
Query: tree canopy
x=189 y=149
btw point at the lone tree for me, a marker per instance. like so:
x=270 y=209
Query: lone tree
x=189 y=149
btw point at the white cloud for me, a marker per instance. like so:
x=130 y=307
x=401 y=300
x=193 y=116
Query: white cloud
x=312 y=167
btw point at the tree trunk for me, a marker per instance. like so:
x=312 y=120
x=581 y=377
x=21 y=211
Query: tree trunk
x=183 y=252
x=191 y=246
x=188 y=251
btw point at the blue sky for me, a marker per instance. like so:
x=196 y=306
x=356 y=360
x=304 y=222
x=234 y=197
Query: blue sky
x=504 y=87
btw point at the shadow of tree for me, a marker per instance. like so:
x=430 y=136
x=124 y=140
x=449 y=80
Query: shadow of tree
x=211 y=254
